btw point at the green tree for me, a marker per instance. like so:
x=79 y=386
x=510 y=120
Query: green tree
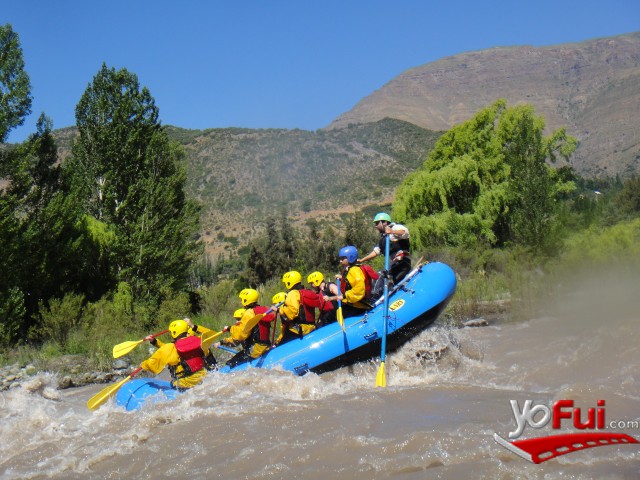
x=130 y=177
x=44 y=253
x=273 y=253
x=360 y=233
x=15 y=86
x=628 y=200
x=319 y=251
x=487 y=181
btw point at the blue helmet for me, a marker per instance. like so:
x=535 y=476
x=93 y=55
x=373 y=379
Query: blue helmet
x=350 y=252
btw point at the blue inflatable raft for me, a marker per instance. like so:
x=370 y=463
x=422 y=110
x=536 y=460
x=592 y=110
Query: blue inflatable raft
x=138 y=392
x=414 y=305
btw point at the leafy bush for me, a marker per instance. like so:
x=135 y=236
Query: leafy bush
x=61 y=318
x=619 y=244
x=12 y=312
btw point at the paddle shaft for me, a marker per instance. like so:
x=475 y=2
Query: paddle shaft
x=339 y=315
x=381 y=377
x=227 y=349
x=383 y=352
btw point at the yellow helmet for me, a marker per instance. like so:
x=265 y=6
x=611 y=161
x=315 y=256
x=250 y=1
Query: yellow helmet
x=178 y=327
x=315 y=279
x=291 y=278
x=248 y=296
x=238 y=313
x=278 y=298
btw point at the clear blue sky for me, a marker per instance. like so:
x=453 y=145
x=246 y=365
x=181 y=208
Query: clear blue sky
x=280 y=64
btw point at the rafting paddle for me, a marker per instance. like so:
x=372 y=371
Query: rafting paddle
x=123 y=348
x=208 y=338
x=104 y=394
x=381 y=378
x=339 y=315
x=252 y=322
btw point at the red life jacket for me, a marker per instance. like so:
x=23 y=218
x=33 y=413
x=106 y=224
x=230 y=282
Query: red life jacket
x=369 y=275
x=264 y=325
x=309 y=301
x=191 y=354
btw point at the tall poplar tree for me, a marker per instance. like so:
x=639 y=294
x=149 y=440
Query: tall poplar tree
x=49 y=255
x=130 y=180
x=15 y=86
x=15 y=105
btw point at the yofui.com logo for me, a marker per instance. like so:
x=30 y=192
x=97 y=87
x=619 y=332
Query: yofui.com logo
x=563 y=414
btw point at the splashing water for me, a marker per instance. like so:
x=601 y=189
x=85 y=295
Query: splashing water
x=448 y=392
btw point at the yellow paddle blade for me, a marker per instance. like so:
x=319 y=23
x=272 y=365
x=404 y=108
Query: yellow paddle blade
x=104 y=394
x=340 y=318
x=381 y=378
x=123 y=348
x=246 y=330
x=208 y=338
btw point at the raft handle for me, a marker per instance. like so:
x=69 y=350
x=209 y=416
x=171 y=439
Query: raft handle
x=300 y=369
x=371 y=336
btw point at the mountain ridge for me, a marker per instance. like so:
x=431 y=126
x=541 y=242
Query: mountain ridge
x=242 y=175
x=592 y=88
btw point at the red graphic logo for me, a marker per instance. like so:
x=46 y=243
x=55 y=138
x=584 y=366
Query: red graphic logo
x=541 y=449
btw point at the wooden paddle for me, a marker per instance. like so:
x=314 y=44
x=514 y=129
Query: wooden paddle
x=123 y=348
x=339 y=315
x=381 y=378
x=104 y=394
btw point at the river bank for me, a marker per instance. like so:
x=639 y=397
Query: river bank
x=69 y=370
x=75 y=371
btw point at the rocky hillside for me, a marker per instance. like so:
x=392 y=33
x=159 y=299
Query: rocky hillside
x=242 y=176
x=592 y=88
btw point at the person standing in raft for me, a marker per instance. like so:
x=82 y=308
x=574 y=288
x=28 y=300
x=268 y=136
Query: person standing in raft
x=251 y=332
x=399 y=247
x=353 y=283
x=184 y=357
x=329 y=292
x=297 y=314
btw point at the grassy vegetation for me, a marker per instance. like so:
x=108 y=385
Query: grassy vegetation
x=521 y=284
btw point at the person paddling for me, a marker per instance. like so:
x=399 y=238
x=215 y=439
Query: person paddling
x=354 y=284
x=251 y=332
x=297 y=314
x=184 y=357
x=329 y=292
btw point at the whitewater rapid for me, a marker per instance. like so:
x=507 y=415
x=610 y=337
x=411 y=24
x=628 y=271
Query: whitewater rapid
x=449 y=392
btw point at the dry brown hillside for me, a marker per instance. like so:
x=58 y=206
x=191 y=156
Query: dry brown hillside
x=592 y=88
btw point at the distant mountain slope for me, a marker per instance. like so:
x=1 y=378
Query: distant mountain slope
x=242 y=176
x=592 y=88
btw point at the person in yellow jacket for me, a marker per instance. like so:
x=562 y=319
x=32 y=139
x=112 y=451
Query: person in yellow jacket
x=251 y=332
x=184 y=357
x=297 y=314
x=353 y=283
